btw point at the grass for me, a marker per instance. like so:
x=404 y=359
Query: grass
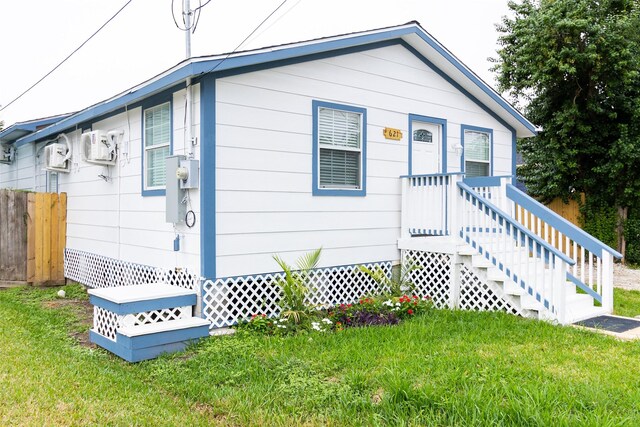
x=446 y=368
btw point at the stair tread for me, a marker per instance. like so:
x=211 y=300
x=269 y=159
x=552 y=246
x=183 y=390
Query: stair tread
x=135 y=293
x=169 y=325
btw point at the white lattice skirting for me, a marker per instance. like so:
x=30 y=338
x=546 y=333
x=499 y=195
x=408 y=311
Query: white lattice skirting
x=434 y=279
x=97 y=271
x=227 y=300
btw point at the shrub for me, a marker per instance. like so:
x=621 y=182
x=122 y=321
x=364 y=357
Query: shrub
x=296 y=285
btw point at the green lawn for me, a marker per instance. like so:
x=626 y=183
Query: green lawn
x=447 y=368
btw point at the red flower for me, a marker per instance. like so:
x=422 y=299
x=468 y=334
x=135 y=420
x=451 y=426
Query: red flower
x=409 y=312
x=415 y=297
x=415 y=303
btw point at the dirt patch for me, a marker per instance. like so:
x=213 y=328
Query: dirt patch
x=83 y=311
x=626 y=278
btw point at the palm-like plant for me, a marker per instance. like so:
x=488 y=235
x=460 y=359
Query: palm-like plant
x=397 y=284
x=296 y=285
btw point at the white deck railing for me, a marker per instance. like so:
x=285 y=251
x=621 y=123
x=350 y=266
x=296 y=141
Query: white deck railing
x=427 y=204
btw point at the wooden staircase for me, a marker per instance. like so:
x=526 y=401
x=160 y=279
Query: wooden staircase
x=531 y=303
x=141 y=322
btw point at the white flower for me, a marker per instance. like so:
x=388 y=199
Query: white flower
x=327 y=321
x=316 y=326
x=388 y=303
x=397 y=304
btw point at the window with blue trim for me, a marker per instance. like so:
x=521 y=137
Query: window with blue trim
x=477 y=155
x=339 y=149
x=157 y=145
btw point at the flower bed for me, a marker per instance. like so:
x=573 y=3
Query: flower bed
x=369 y=311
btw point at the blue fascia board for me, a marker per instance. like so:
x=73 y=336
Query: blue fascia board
x=484 y=181
x=29 y=126
x=576 y=234
x=222 y=64
x=107 y=107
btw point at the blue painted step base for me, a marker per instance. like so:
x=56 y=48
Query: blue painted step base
x=149 y=346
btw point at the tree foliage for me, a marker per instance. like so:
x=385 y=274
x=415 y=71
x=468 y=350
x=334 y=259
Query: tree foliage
x=575 y=66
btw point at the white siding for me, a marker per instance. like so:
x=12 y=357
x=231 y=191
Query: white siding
x=264 y=203
x=110 y=217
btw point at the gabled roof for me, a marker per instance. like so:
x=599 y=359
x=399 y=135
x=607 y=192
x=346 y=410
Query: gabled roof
x=20 y=129
x=411 y=35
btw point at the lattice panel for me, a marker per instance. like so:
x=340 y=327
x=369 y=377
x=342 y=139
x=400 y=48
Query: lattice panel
x=156 y=316
x=433 y=279
x=476 y=295
x=106 y=322
x=97 y=271
x=227 y=300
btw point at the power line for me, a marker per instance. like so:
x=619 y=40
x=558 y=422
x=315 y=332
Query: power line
x=246 y=38
x=68 y=56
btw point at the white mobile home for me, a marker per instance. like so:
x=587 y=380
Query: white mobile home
x=376 y=146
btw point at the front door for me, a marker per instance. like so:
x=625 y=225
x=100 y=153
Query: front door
x=425 y=148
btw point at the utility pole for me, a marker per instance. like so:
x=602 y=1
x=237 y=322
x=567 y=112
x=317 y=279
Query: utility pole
x=188 y=136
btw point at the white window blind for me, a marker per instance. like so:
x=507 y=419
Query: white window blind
x=157 y=139
x=340 y=145
x=476 y=153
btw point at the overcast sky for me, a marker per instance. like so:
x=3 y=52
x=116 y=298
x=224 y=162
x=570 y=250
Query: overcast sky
x=143 y=40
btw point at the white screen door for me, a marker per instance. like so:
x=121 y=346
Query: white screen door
x=425 y=148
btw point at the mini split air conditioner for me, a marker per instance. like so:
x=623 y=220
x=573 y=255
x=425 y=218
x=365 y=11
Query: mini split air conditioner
x=57 y=157
x=99 y=147
x=7 y=153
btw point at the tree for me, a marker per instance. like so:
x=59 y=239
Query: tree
x=575 y=65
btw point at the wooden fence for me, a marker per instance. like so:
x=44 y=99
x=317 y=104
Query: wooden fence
x=569 y=211
x=33 y=229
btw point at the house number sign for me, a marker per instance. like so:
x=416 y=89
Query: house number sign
x=391 y=133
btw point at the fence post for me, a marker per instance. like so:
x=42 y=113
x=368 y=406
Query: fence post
x=607 y=281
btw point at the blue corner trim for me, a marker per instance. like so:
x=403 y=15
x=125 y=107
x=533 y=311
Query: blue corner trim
x=584 y=287
x=464 y=128
x=208 y=176
x=316 y=190
x=514 y=150
x=576 y=234
x=149 y=103
x=443 y=149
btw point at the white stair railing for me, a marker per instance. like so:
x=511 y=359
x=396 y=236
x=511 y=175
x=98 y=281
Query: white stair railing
x=592 y=269
x=522 y=256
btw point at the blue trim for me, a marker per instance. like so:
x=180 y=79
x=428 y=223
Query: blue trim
x=316 y=190
x=434 y=120
x=584 y=287
x=432 y=174
x=298 y=53
x=167 y=97
x=464 y=128
x=576 y=234
x=484 y=181
x=131 y=355
x=514 y=150
x=144 y=305
x=208 y=177
x=21 y=129
x=162 y=338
